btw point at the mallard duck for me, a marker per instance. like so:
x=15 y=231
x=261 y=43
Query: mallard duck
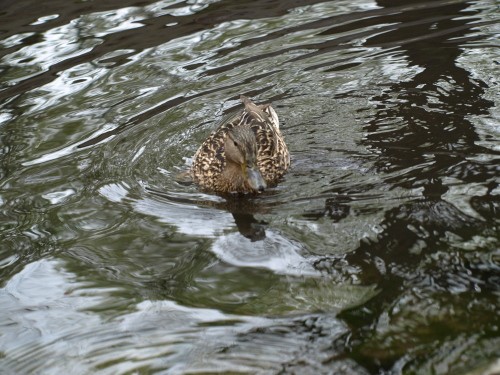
x=245 y=154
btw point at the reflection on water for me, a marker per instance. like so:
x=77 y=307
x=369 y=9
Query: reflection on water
x=378 y=253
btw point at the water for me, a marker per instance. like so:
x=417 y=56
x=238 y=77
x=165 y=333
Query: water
x=378 y=253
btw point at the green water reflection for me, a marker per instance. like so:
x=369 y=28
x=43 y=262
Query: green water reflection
x=378 y=253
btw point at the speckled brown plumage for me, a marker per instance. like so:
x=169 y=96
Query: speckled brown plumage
x=255 y=131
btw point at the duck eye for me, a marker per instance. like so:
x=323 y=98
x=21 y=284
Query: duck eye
x=236 y=143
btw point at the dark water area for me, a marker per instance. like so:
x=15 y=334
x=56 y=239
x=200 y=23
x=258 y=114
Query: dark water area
x=379 y=253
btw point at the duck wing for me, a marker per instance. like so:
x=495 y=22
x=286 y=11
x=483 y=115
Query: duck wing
x=264 y=121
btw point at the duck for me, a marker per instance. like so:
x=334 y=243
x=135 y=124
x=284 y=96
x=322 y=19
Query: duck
x=245 y=154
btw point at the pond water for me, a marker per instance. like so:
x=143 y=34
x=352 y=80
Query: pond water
x=378 y=253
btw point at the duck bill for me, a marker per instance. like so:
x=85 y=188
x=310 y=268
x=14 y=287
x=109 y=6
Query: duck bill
x=255 y=179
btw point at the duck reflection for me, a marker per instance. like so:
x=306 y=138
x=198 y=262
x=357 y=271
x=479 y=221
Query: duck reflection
x=253 y=245
x=214 y=213
x=249 y=227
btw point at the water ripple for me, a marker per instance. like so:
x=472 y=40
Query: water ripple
x=370 y=256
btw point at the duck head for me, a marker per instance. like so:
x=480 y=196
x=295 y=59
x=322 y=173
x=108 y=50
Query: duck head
x=241 y=150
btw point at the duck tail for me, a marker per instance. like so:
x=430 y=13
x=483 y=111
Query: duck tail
x=252 y=109
x=246 y=100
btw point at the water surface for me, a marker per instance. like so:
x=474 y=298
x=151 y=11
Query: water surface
x=378 y=253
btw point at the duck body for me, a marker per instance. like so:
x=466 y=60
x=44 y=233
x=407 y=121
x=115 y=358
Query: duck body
x=245 y=154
